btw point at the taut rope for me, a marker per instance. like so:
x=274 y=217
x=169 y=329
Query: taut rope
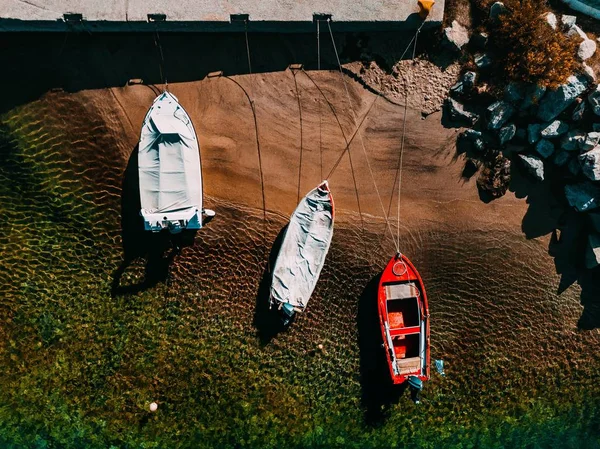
x=398 y=172
x=247 y=45
x=362 y=143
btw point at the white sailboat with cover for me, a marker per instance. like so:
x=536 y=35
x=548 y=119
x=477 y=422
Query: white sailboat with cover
x=169 y=169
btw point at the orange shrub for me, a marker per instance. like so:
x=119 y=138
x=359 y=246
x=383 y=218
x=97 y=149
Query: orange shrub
x=529 y=49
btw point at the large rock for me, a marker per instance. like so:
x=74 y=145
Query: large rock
x=575 y=31
x=468 y=79
x=572 y=140
x=533 y=96
x=496 y=10
x=551 y=20
x=465 y=83
x=483 y=60
x=514 y=149
x=594 y=100
x=494 y=179
x=506 y=133
x=514 y=92
x=533 y=132
x=568 y=21
x=545 y=148
x=471 y=140
x=590 y=164
x=586 y=50
x=556 y=101
x=562 y=158
x=583 y=196
x=588 y=72
x=578 y=112
x=521 y=134
x=534 y=166
x=458 y=113
x=592 y=255
x=456 y=36
x=594 y=217
x=498 y=113
x=574 y=167
x=472 y=134
x=589 y=142
x=480 y=40
x=554 y=129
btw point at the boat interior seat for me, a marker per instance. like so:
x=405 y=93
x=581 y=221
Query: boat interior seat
x=402 y=331
x=404 y=314
x=402 y=291
x=409 y=365
x=396 y=319
x=406 y=346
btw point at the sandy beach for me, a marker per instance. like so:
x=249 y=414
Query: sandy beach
x=194 y=339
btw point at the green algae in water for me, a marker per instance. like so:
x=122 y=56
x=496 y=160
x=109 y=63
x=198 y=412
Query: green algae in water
x=80 y=366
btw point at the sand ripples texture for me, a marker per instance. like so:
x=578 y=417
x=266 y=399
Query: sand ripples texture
x=88 y=341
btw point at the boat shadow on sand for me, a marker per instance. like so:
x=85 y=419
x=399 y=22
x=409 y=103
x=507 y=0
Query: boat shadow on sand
x=158 y=249
x=267 y=321
x=378 y=391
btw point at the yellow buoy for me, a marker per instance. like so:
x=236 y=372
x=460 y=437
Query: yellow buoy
x=425 y=8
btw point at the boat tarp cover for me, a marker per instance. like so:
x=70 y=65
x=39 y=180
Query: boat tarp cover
x=169 y=159
x=303 y=250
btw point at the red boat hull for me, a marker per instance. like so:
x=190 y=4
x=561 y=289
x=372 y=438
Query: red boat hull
x=404 y=320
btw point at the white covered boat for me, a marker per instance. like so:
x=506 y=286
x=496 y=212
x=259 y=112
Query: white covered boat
x=169 y=169
x=302 y=254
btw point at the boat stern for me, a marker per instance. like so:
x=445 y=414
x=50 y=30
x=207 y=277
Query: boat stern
x=174 y=222
x=287 y=313
x=284 y=310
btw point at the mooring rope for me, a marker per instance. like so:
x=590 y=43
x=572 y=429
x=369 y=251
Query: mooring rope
x=348 y=142
x=360 y=214
x=337 y=119
x=318 y=46
x=378 y=94
x=62 y=47
x=247 y=45
x=402 y=140
x=343 y=152
x=161 y=63
x=301 y=139
x=385 y=214
x=358 y=130
x=260 y=165
x=320 y=117
x=321 y=139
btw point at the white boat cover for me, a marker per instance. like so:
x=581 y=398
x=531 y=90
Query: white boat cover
x=169 y=168
x=303 y=251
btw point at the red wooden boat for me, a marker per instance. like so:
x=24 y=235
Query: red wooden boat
x=404 y=320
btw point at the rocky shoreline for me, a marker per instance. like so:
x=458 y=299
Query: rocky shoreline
x=552 y=135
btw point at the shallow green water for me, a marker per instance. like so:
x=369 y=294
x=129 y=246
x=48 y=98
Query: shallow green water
x=80 y=365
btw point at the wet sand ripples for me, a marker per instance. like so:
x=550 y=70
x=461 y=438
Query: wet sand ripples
x=189 y=331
